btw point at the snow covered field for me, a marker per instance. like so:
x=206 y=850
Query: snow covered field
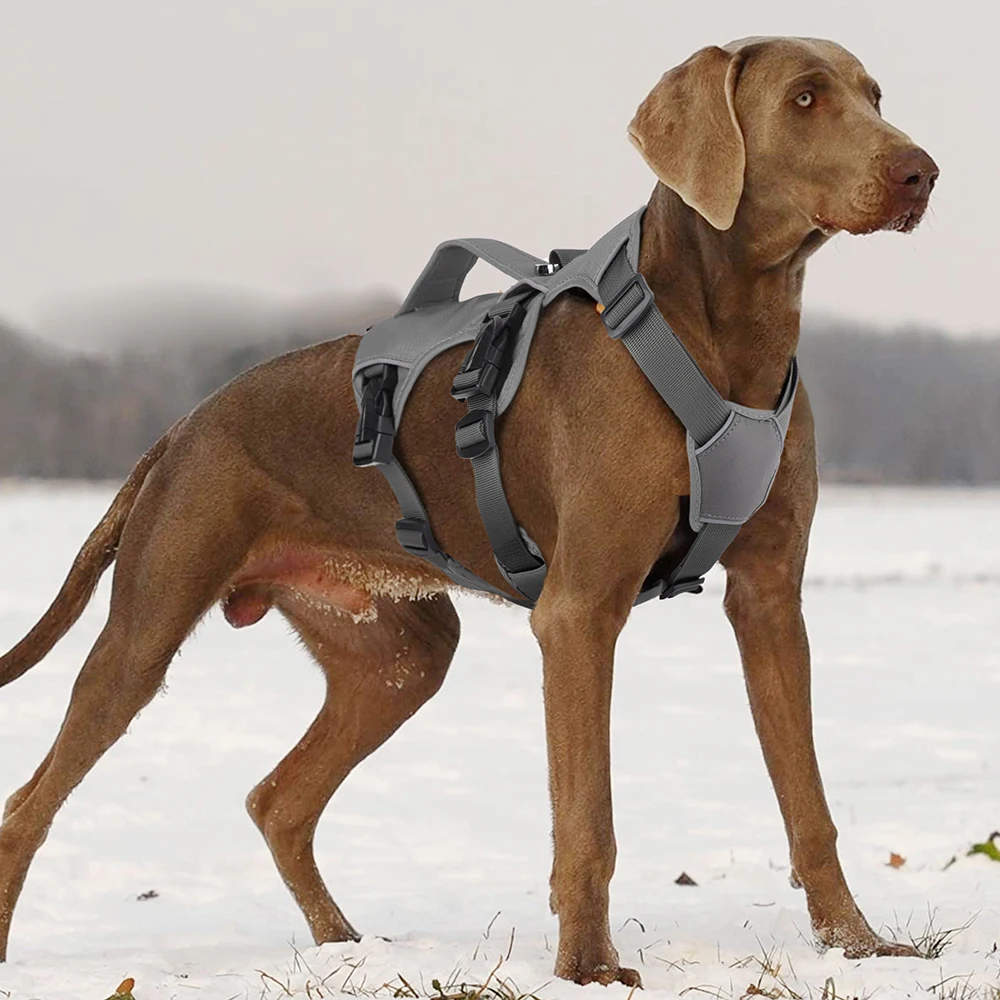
x=437 y=848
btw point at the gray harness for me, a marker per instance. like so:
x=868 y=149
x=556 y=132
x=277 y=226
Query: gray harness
x=733 y=451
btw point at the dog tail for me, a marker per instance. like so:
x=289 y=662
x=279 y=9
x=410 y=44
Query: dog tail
x=97 y=554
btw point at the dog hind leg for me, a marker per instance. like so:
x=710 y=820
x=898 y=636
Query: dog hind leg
x=378 y=674
x=156 y=601
x=116 y=682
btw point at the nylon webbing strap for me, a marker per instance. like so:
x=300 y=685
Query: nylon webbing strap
x=413 y=510
x=409 y=501
x=706 y=550
x=631 y=315
x=475 y=437
x=664 y=360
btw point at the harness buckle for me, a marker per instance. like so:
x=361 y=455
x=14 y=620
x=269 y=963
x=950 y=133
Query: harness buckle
x=376 y=425
x=414 y=534
x=694 y=586
x=627 y=307
x=486 y=364
x=475 y=434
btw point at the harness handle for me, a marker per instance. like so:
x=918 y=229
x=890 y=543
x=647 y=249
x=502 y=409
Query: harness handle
x=442 y=279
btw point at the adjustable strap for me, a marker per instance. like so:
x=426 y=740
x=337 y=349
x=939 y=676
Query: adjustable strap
x=373 y=447
x=688 y=576
x=631 y=316
x=479 y=383
x=413 y=532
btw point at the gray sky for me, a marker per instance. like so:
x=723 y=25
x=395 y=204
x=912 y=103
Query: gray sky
x=292 y=148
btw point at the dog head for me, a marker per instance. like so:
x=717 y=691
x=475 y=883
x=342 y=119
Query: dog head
x=790 y=126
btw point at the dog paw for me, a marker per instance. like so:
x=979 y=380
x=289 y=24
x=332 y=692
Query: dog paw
x=878 y=947
x=863 y=942
x=605 y=975
x=629 y=977
x=579 y=968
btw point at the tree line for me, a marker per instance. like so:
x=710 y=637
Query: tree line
x=916 y=406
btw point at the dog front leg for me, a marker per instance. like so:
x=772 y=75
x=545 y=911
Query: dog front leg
x=763 y=602
x=577 y=633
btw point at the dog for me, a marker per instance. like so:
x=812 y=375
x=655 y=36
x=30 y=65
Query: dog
x=763 y=149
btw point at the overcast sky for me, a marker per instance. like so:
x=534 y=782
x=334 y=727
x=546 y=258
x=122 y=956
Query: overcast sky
x=290 y=148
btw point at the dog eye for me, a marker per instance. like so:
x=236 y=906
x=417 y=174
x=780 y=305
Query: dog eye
x=805 y=99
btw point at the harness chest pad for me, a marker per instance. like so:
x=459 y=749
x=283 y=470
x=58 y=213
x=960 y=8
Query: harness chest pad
x=732 y=473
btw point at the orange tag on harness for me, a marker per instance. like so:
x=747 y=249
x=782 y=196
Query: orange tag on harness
x=599 y=307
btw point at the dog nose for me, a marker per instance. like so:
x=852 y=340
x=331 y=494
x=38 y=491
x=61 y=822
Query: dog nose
x=914 y=174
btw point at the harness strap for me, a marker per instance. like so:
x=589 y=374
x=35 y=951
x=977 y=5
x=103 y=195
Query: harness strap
x=631 y=316
x=373 y=446
x=688 y=576
x=413 y=532
x=517 y=557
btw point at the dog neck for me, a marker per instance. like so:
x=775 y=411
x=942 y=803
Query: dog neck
x=733 y=296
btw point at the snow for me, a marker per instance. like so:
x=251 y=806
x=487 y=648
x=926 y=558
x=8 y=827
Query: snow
x=437 y=848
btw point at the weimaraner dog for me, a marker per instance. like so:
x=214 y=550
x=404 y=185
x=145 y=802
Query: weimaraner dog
x=763 y=150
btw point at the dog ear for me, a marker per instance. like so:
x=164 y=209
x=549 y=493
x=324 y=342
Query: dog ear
x=686 y=130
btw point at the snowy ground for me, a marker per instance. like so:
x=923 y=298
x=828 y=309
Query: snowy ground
x=439 y=844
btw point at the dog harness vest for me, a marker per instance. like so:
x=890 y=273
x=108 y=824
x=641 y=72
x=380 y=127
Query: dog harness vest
x=733 y=451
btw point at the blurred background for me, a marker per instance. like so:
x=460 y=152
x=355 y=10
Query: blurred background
x=189 y=187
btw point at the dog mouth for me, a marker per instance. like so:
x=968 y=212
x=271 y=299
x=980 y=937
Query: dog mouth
x=906 y=221
x=903 y=222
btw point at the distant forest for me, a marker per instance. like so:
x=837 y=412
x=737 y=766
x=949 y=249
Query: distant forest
x=912 y=407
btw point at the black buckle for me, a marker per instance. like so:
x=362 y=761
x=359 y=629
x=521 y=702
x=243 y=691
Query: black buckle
x=694 y=586
x=486 y=364
x=414 y=534
x=635 y=315
x=480 y=437
x=376 y=426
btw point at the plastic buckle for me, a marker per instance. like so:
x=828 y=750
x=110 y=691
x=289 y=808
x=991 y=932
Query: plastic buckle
x=480 y=437
x=694 y=586
x=635 y=315
x=486 y=364
x=376 y=426
x=414 y=534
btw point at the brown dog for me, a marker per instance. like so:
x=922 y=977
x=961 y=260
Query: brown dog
x=763 y=150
